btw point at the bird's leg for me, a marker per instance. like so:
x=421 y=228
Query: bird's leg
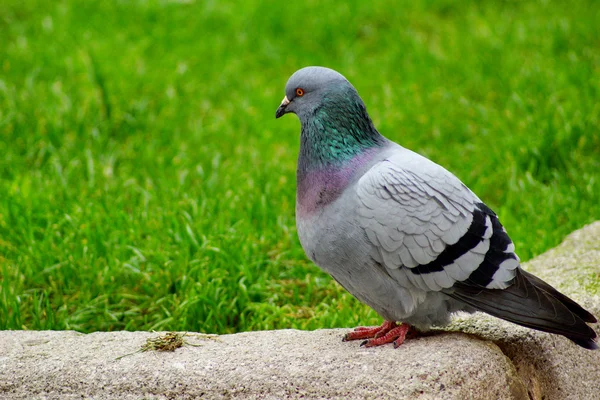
x=388 y=332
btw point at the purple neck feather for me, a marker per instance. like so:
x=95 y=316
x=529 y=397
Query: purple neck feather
x=319 y=187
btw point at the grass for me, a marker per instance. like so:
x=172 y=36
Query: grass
x=145 y=184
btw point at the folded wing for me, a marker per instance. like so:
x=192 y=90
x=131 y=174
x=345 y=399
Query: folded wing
x=431 y=232
x=429 y=227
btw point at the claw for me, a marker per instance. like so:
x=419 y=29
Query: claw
x=388 y=332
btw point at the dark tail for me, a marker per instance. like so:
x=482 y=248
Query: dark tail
x=533 y=303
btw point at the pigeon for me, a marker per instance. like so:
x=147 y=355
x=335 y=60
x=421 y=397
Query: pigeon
x=401 y=233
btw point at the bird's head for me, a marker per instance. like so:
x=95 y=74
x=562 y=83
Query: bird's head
x=307 y=88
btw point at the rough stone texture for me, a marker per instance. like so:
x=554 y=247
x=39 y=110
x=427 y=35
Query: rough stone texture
x=480 y=358
x=276 y=364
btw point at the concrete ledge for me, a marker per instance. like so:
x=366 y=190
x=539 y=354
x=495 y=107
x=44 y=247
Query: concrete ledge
x=275 y=364
x=483 y=358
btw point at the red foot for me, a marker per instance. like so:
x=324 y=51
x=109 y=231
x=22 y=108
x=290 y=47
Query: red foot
x=388 y=332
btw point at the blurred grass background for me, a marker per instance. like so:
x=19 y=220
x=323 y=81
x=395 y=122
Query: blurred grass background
x=145 y=183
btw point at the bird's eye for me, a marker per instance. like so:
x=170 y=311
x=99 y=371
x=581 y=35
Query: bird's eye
x=299 y=92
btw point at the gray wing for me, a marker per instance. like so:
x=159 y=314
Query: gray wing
x=429 y=229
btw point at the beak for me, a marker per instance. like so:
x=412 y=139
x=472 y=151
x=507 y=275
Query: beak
x=281 y=110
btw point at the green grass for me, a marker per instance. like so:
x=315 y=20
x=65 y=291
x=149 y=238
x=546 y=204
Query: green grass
x=145 y=183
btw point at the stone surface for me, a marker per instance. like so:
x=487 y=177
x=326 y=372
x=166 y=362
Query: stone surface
x=480 y=357
x=273 y=365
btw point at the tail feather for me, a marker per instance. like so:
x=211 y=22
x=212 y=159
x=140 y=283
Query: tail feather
x=533 y=303
x=571 y=304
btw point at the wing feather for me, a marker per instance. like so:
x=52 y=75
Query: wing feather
x=430 y=231
x=422 y=218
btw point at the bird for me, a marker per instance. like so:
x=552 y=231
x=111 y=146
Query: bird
x=401 y=233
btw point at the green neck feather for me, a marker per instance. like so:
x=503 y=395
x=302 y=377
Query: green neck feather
x=336 y=131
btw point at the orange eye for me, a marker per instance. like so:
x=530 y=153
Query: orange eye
x=299 y=92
